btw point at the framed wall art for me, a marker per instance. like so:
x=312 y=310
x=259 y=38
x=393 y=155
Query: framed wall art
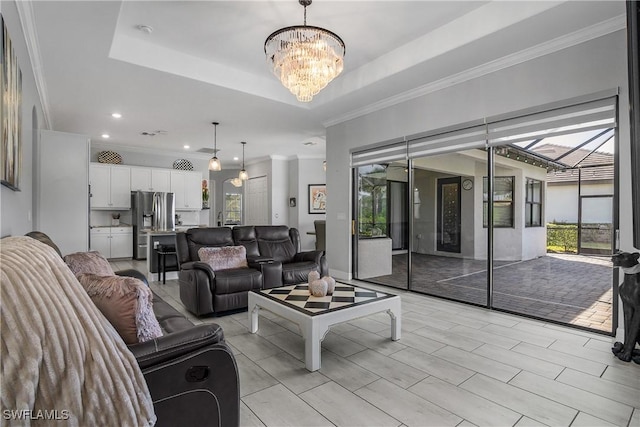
x=317 y=198
x=10 y=113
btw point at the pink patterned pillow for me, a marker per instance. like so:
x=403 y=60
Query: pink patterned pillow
x=89 y=262
x=225 y=257
x=126 y=302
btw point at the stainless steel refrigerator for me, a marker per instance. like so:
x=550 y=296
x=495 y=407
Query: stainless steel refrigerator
x=150 y=212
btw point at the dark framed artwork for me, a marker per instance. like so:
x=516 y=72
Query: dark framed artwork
x=292 y=202
x=317 y=198
x=10 y=113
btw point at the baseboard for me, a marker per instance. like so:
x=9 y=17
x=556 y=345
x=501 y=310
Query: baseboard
x=337 y=274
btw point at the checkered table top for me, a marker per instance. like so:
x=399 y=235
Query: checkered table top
x=299 y=298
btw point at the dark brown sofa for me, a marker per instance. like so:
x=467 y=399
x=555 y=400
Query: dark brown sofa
x=190 y=371
x=274 y=257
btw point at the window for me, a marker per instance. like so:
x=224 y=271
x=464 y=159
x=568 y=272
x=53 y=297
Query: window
x=502 y=202
x=232 y=209
x=372 y=199
x=533 y=204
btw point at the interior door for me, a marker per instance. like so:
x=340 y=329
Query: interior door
x=449 y=215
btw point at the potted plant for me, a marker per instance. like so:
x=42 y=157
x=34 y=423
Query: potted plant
x=205 y=194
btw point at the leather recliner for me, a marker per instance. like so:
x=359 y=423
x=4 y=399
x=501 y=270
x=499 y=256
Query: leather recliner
x=274 y=258
x=190 y=371
x=204 y=291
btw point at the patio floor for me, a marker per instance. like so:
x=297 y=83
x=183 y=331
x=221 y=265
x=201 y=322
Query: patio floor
x=572 y=289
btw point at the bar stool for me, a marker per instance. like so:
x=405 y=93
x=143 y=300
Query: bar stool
x=163 y=252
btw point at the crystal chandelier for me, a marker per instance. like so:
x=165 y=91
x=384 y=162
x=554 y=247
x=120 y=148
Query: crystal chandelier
x=214 y=163
x=304 y=58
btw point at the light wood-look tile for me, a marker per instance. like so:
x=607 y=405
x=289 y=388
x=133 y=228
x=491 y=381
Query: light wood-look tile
x=418 y=342
x=439 y=368
x=289 y=342
x=344 y=408
x=622 y=376
x=519 y=335
x=602 y=387
x=449 y=338
x=253 y=346
x=464 y=404
x=560 y=358
x=405 y=406
x=278 y=406
x=344 y=372
x=586 y=420
x=533 y=406
x=373 y=341
x=248 y=418
x=477 y=363
x=266 y=326
x=292 y=373
x=341 y=346
x=371 y=325
x=635 y=418
x=519 y=360
x=390 y=369
x=252 y=377
x=427 y=320
x=458 y=319
x=598 y=406
x=528 y=422
x=485 y=336
x=541 y=329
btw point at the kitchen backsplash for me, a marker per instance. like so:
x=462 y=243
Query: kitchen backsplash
x=103 y=218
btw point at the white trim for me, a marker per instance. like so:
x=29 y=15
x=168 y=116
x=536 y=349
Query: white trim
x=580 y=36
x=154 y=150
x=27 y=20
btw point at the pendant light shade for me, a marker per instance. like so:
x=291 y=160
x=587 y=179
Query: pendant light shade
x=214 y=163
x=243 y=173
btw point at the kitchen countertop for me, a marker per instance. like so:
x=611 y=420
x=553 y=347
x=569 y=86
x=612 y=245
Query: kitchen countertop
x=111 y=226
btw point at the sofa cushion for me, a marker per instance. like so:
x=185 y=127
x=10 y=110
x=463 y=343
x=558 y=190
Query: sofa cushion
x=298 y=272
x=126 y=302
x=237 y=280
x=89 y=262
x=245 y=235
x=224 y=258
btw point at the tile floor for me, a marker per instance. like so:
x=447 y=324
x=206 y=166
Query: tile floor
x=456 y=365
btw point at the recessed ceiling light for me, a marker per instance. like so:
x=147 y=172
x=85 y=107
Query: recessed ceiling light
x=186 y=147
x=116 y=115
x=145 y=28
x=310 y=143
x=236 y=159
x=105 y=135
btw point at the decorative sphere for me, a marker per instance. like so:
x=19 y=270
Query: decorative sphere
x=318 y=288
x=313 y=276
x=331 y=284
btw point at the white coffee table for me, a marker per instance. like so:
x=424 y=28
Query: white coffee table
x=314 y=315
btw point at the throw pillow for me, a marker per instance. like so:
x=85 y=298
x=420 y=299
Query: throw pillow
x=89 y=262
x=224 y=258
x=126 y=302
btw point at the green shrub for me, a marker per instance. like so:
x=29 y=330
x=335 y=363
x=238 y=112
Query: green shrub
x=562 y=238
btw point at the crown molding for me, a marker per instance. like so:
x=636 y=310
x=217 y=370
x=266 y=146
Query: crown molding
x=568 y=40
x=27 y=20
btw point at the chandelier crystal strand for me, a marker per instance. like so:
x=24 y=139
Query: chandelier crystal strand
x=305 y=58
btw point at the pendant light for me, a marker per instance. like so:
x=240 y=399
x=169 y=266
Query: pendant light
x=243 y=173
x=214 y=163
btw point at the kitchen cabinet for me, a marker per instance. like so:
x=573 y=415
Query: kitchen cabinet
x=110 y=186
x=187 y=190
x=150 y=179
x=113 y=242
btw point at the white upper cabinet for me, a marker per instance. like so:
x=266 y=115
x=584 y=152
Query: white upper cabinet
x=150 y=179
x=186 y=187
x=110 y=186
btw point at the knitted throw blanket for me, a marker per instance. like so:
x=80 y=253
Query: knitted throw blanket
x=63 y=364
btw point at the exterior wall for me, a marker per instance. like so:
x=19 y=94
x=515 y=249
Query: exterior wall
x=596 y=65
x=17 y=207
x=562 y=202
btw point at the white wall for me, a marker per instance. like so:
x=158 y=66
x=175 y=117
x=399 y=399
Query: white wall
x=307 y=171
x=562 y=201
x=16 y=207
x=593 y=66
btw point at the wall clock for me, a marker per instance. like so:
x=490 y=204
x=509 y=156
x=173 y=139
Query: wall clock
x=467 y=184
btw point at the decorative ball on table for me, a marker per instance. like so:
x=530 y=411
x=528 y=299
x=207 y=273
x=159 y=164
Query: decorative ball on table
x=331 y=284
x=318 y=288
x=313 y=275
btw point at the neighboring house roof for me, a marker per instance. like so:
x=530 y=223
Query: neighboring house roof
x=595 y=165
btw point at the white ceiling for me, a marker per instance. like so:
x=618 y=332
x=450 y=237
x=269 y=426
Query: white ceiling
x=204 y=62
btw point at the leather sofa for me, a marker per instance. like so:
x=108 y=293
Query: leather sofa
x=274 y=258
x=190 y=371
